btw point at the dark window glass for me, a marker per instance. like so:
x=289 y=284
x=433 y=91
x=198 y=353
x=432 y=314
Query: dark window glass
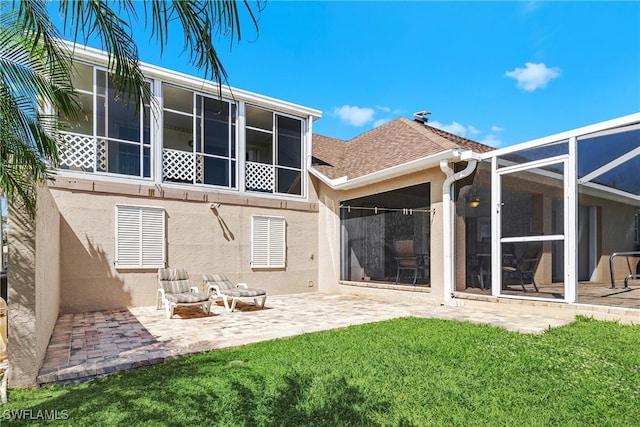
x=124 y=158
x=215 y=171
x=216 y=127
x=289 y=142
x=289 y=181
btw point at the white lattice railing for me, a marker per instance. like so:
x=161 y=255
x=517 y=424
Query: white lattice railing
x=78 y=152
x=259 y=177
x=177 y=165
x=102 y=148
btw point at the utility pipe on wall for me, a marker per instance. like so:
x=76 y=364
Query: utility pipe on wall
x=447 y=223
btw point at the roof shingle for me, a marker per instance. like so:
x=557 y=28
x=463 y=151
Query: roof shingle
x=392 y=144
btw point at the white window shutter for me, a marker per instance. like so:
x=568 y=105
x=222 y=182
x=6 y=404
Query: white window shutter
x=277 y=242
x=268 y=242
x=153 y=237
x=140 y=237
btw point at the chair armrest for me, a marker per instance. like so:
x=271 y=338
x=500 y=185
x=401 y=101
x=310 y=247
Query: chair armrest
x=213 y=287
x=161 y=292
x=242 y=285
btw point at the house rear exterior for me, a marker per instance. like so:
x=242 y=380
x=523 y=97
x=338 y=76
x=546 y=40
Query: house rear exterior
x=194 y=180
x=240 y=185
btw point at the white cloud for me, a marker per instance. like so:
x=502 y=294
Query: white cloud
x=354 y=116
x=469 y=131
x=455 y=127
x=491 y=140
x=380 y=122
x=473 y=131
x=534 y=76
x=385 y=109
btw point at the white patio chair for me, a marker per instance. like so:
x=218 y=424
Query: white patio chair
x=219 y=286
x=174 y=289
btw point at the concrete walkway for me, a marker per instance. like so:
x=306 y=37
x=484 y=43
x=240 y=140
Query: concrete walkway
x=87 y=345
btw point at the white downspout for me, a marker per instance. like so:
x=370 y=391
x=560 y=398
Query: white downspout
x=447 y=225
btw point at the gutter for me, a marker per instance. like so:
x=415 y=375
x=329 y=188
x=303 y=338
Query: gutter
x=447 y=220
x=344 y=183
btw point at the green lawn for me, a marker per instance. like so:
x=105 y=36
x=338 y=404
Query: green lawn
x=406 y=372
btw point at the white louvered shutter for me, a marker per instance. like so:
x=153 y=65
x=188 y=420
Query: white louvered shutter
x=140 y=237
x=268 y=242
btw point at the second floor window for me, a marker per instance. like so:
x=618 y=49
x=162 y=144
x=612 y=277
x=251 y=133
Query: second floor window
x=199 y=134
x=274 y=152
x=109 y=135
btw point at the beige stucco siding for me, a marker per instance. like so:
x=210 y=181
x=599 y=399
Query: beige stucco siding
x=33 y=287
x=200 y=239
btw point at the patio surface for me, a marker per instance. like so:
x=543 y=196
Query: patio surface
x=87 y=345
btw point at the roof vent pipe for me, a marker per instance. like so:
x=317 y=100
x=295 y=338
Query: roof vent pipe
x=421 y=116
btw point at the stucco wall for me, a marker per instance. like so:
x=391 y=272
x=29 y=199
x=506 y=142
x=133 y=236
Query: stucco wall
x=33 y=287
x=200 y=239
x=329 y=228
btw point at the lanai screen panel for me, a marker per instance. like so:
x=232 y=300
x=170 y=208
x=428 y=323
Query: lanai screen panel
x=473 y=230
x=371 y=228
x=608 y=170
x=532 y=232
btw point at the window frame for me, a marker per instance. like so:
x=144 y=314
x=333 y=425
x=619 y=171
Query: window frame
x=144 y=147
x=274 y=164
x=197 y=115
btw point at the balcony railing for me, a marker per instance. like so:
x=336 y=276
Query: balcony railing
x=259 y=177
x=88 y=154
x=79 y=152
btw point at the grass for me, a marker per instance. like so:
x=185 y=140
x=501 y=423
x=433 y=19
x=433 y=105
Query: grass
x=405 y=372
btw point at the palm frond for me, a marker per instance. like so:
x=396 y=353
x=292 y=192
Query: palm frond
x=94 y=18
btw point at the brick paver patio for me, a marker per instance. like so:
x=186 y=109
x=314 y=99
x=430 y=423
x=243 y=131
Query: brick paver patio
x=87 y=345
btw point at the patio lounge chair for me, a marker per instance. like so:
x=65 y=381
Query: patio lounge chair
x=174 y=289
x=219 y=286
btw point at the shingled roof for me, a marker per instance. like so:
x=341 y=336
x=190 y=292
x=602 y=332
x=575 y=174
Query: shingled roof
x=392 y=144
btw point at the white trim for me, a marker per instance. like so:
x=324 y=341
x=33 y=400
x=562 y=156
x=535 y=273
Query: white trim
x=607 y=132
x=533 y=164
x=538 y=238
x=496 y=228
x=570 y=210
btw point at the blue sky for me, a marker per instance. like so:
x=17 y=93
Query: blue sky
x=495 y=72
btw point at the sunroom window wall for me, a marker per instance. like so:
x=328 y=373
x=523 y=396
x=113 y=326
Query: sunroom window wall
x=200 y=142
x=109 y=135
